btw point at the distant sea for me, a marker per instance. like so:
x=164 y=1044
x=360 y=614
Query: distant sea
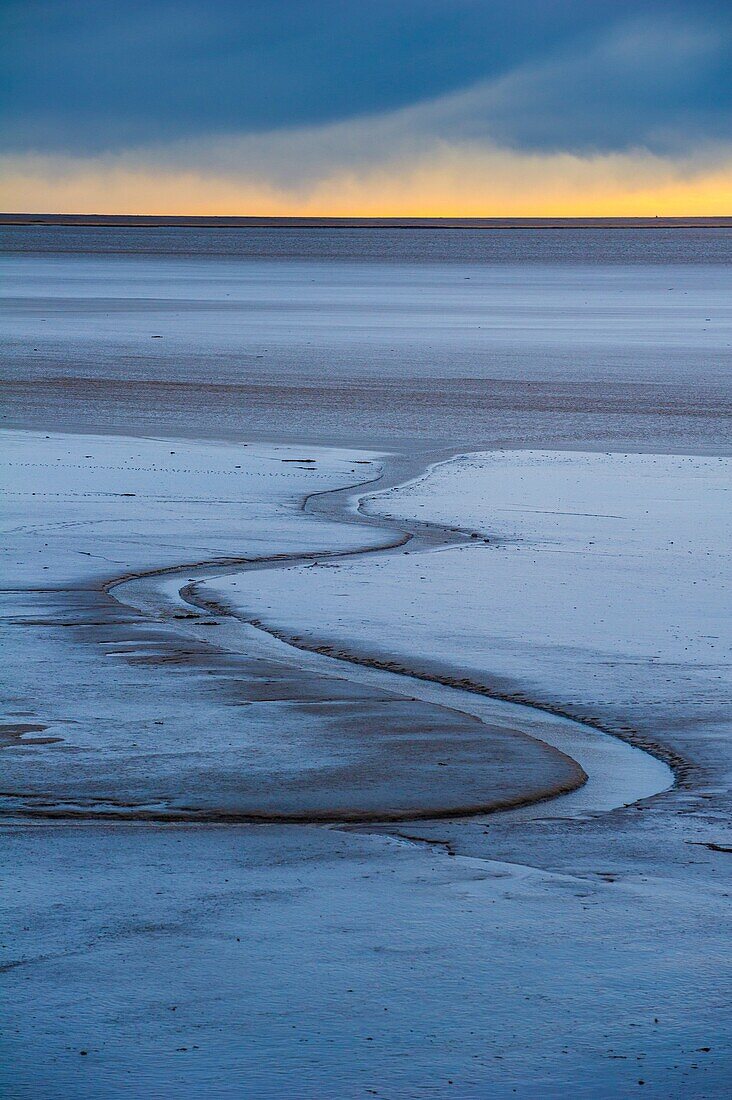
x=446 y=240
x=603 y=333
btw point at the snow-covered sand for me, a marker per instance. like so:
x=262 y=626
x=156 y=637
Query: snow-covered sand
x=517 y=953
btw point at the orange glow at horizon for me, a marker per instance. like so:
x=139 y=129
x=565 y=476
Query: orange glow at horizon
x=453 y=184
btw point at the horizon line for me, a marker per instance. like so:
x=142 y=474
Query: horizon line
x=221 y=221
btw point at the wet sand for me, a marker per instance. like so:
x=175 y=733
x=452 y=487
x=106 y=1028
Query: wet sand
x=280 y=744
x=328 y=960
x=576 y=945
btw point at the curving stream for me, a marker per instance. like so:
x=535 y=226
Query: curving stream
x=618 y=773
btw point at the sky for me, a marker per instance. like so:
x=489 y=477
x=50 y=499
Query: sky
x=367 y=107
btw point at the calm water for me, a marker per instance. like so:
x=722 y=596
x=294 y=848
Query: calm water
x=554 y=244
x=617 y=337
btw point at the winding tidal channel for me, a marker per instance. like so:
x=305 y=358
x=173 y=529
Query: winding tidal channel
x=610 y=772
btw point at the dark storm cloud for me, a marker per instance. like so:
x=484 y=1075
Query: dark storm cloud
x=550 y=74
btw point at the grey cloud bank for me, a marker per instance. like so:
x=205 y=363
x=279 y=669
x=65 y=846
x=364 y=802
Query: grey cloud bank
x=87 y=79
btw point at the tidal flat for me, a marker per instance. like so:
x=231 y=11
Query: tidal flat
x=384 y=751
